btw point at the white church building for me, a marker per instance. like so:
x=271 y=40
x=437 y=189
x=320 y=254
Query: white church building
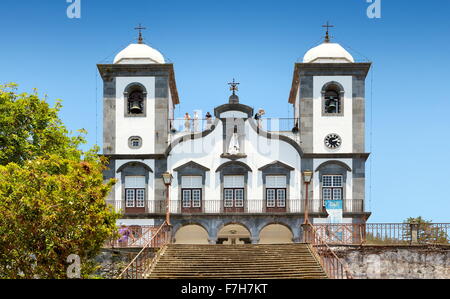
x=235 y=178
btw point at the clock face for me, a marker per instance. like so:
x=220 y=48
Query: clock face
x=333 y=141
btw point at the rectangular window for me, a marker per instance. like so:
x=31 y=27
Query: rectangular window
x=191 y=192
x=233 y=193
x=276 y=189
x=187 y=196
x=332 y=187
x=271 y=198
x=130 y=198
x=228 y=198
x=135 y=192
x=196 y=198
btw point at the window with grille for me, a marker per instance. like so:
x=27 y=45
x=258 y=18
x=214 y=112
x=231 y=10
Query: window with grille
x=135 y=191
x=191 y=191
x=332 y=187
x=233 y=193
x=276 y=188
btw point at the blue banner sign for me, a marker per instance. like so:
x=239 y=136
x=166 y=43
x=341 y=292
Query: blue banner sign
x=333 y=204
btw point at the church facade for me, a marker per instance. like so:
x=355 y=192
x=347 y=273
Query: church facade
x=236 y=178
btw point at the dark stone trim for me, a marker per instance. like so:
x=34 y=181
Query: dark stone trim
x=333 y=162
x=233 y=157
x=326 y=69
x=233 y=163
x=275 y=136
x=363 y=156
x=277 y=164
x=195 y=216
x=191 y=164
x=135 y=157
x=134 y=163
x=141 y=70
x=357 y=215
x=233 y=107
x=191 y=137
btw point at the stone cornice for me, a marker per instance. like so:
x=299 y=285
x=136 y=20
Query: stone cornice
x=108 y=71
x=364 y=156
x=335 y=69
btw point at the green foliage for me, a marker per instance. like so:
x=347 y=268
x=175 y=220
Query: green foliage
x=30 y=128
x=52 y=194
x=427 y=232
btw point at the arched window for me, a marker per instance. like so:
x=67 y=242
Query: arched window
x=333 y=99
x=135 y=99
x=136 y=103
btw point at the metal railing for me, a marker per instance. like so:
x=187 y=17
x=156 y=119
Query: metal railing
x=181 y=125
x=136 y=236
x=354 y=206
x=250 y=206
x=385 y=233
x=144 y=260
x=333 y=266
x=208 y=206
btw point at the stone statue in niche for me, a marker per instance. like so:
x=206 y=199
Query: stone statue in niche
x=234 y=148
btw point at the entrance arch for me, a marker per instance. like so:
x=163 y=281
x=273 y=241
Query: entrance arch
x=233 y=234
x=275 y=234
x=191 y=234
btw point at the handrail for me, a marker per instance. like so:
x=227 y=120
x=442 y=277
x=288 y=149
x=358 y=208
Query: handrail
x=142 y=254
x=330 y=262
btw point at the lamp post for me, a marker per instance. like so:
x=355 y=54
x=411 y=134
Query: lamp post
x=167 y=177
x=307 y=177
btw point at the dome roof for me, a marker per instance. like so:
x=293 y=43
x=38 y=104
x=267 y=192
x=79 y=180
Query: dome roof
x=328 y=53
x=139 y=54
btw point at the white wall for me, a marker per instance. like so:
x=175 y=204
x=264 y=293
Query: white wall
x=127 y=127
x=260 y=151
x=341 y=125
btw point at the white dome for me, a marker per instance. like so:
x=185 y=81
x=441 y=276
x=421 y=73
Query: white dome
x=328 y=53
x=139 y=54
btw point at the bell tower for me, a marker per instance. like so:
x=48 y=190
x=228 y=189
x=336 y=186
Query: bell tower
x=139 y=99
x=328 y=95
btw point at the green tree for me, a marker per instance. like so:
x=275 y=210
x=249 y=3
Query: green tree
x=427 y=232
x=52 y=194
x=30 y=128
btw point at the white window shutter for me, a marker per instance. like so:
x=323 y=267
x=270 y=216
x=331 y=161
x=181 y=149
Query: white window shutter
x=233 y=181
x=191 y=182
x=134 y=182
x=276 y=181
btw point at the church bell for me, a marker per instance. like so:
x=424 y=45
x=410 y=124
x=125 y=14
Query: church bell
x=331 y=107
x=135 y=107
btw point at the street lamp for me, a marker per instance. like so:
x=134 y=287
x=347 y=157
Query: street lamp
x=307 y=177
x=167 y=177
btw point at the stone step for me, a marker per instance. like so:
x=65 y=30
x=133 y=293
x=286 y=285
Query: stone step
x=237 y=261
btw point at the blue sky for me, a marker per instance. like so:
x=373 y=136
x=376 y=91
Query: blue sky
x=258 y=42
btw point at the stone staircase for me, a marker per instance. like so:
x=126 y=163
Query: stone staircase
x=285 y=261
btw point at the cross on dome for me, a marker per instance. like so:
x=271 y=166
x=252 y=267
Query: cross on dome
x=140 y=28
x=327 y=36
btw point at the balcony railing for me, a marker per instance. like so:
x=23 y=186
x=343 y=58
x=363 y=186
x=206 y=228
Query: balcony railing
x=251 y=206
x=181 y=125
x=213 y=206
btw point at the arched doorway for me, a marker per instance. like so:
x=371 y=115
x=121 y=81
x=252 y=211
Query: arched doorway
x=275 y=234
x=191 y=234
x=233 y=234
